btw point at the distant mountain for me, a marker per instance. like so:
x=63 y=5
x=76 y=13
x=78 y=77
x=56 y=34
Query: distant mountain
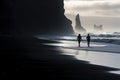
x=78 y=26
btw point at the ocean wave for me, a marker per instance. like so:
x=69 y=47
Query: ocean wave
x=111 y=41
x=101 y=38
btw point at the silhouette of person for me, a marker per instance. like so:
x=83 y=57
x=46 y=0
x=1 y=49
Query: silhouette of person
x=79 y=38
x=88 y=40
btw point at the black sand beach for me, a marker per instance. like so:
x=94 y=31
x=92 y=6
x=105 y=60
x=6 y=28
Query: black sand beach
x=26 y=57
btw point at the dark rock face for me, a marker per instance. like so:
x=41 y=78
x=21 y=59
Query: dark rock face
x=78 y=26
x=35 y=17
x=6 y=18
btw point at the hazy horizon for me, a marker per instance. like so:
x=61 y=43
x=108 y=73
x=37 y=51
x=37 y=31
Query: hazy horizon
x=99 y=12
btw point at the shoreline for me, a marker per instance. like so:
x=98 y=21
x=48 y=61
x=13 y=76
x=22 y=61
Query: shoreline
x=95 y=46
x=31 y=59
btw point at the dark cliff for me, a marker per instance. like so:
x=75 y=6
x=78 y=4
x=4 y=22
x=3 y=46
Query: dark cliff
x=34 y=17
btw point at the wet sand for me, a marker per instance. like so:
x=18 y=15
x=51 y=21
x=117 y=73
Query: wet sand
x=26 y=57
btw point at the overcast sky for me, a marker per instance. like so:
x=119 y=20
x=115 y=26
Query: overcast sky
x=105 y=12
x=93 y=7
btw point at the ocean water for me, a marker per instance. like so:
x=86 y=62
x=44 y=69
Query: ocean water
x=98 y=58
x=107 y=58
x=112 y=38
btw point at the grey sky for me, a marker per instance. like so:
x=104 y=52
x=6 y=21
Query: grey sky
x=105 y=12
x=93 y=8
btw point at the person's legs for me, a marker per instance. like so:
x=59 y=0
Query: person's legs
x=88 y=44
x=79 y=43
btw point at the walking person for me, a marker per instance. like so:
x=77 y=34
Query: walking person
x=79 y=38
x=88 y=40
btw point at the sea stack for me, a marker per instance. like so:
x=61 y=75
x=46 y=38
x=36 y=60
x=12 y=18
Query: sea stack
x=98 y=28
x=78 y=26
